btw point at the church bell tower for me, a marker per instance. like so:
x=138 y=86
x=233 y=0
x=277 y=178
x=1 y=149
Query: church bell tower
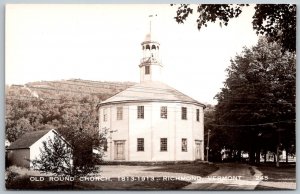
x=150 y=65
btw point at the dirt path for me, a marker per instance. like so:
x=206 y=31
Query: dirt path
x=272 y=185
x=228 y=177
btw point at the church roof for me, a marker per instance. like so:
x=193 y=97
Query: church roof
x=150 y=91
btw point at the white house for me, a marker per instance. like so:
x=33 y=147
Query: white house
x=28 y=147
x=152 y=121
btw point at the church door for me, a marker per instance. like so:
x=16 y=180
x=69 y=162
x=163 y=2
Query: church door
x=198 y=150
x=120 y=150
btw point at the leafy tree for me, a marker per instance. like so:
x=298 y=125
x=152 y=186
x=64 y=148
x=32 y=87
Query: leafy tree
x=275 y=21
x=87 y=154
x=56 y=157
x=216 y=143
x=63 y=159
x=220 y=137
x=256 y=107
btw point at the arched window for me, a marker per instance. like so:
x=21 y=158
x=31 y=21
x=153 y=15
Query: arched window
x=143 y=47
x=157 y=47
x=148 y=46
x=153 y=47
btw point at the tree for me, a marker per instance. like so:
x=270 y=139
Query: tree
x=87 y=154
x=220 y=137
x=63 y=159
x=276 y=21
x=256 y=107
x=56 y=157
x=216 y=137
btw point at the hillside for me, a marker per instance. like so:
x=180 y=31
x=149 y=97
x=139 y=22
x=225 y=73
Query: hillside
x=66 y=105
x=76 y=88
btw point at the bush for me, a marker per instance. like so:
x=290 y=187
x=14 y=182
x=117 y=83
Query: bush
x=16 y=178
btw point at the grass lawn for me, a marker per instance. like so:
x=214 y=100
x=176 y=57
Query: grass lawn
x=197 y=169
x=285 y=174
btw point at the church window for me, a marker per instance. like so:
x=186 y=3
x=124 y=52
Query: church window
x=184 y=144
x=105 y=145
x=153 y=47
x=140 y=144
x=163 y=144
x=197 y=115
x=119 y=113
x=140 y=112
x=148 y=46
x=147 y=69
x=105 y=115
x=163 y=112
x=183 y=113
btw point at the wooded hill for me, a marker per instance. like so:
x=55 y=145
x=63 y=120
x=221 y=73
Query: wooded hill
x=66 y=105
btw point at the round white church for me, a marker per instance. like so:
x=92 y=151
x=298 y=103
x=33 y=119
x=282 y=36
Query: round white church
x=152 y=121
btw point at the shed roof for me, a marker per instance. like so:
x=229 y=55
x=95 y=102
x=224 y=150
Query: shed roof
x=150 y=91
x=26 y=140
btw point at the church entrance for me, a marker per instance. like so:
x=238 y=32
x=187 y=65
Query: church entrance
x=119 y=150
x=198 y=150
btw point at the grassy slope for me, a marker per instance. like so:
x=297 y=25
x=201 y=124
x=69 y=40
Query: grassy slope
x=74 y=87
x=83 y=85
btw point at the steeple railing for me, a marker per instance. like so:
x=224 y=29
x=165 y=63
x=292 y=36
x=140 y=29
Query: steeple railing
x=149 y=60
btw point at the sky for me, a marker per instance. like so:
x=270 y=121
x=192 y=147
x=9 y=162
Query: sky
x=103 y=43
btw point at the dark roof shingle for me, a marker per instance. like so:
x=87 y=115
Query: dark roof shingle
x=26 y=140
